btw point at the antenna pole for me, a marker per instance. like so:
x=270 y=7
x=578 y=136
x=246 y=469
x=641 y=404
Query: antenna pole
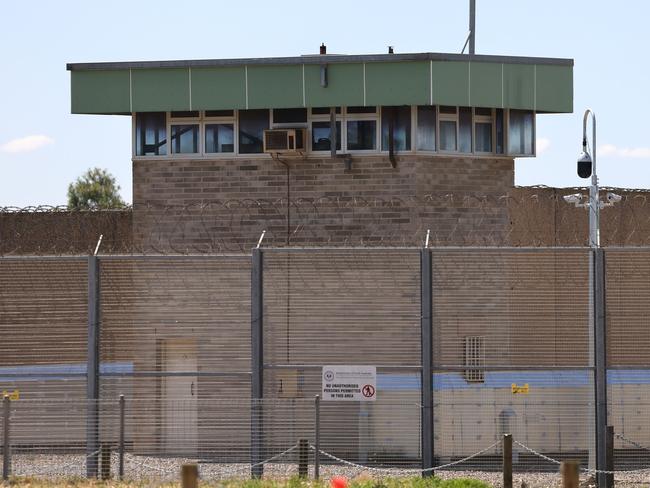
x=472 y=25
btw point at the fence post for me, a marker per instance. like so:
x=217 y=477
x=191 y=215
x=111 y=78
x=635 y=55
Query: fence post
x=190 y=475
x=507 y=460
x=257 y=362
x=570 y=471
x=121 y=440
x=610 y=456
x=303 y=457
x=426 y=346
x=92 y=370
x=6 y=440
x=600 y=360
x=317 y=437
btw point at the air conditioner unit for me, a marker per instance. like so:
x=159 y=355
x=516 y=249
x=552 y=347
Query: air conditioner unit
x=284 y=140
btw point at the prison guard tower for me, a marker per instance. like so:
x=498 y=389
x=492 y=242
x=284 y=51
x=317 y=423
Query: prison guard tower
x=408 y=127
x=369 y=142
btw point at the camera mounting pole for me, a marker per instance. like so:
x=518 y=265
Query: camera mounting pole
x=594 y=204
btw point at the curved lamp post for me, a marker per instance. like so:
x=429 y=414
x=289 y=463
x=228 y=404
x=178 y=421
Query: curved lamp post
x=587 y=168
x=586 y=160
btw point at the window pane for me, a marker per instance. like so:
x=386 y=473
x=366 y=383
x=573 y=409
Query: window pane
x=194 y=113
x=447 y=135
x=252 y=124
x=219 y=138
x=289 y=115
x=321 y=136
x=426 y=128
x=486 y=112
x=499 y=130
x=401 y=127
x=219 y=113
x=483 y=137
x=465 y=130
x=150 y=134
x=362 y=110
x=185 y=139
x=361 y=135
x=323 y=110
x=520 y=132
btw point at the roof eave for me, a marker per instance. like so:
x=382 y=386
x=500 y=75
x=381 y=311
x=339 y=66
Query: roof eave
x=319 y=59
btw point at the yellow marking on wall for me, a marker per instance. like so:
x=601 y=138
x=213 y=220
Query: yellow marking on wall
x=524 y=389
x=13 y=395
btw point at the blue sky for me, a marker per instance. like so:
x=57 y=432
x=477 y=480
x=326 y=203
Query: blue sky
x=43 y=147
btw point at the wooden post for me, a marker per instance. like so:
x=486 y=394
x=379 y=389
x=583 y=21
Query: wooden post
x=105 y=452
x=303 y=457
x=190 y=475
x=507 y=460
x=570 y=471
x=610 y=456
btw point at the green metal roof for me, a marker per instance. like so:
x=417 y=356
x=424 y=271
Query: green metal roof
x=540 y=84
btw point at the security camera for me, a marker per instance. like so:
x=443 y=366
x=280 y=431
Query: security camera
x=613 y=197
x=574 y=198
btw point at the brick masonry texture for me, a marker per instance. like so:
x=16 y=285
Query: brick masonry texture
x=224 y=206
x=193 y=205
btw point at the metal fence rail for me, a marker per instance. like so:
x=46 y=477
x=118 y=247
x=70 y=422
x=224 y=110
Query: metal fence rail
x=219 y=359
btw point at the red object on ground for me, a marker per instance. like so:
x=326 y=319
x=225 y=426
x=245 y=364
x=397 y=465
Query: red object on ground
x=339 y=482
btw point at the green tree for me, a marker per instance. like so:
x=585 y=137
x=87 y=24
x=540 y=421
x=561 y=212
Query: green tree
x=96 y=188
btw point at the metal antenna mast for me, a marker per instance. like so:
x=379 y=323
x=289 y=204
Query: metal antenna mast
x=471 y=37
x=472 y=25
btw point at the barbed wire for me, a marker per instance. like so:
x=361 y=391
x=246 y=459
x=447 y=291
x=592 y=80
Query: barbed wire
x=60 y=208
x=530 y=216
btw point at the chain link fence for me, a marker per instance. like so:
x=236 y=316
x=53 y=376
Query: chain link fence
x=511 y=348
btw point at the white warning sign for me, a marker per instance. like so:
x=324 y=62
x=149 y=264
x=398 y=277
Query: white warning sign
x=350 y=383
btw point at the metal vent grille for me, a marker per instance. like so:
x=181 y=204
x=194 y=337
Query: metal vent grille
x=474 y=357
x=276 y=140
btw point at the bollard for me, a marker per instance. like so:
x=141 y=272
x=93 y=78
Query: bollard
x=190 y=475
x=570 y=471
x=507 y=460
x=609 y=477
x=6 y=442
x=303 y=457
x=121 y=444
x=317 y=438
x=105 y=455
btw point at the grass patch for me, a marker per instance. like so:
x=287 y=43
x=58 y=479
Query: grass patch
x=360 y=482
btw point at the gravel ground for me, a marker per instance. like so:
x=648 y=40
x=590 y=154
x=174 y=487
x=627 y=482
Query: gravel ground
x=153 y=468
